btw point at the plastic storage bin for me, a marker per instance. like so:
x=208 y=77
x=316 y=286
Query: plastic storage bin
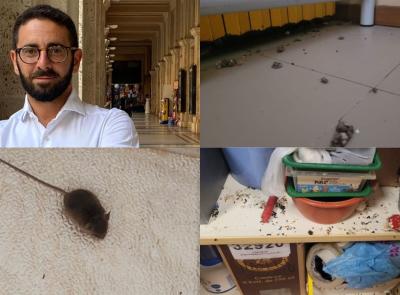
x=291 y=191
x=290 y=162
x=327 y=181
x=248 y=165
x=340 y=188
x=327 y=208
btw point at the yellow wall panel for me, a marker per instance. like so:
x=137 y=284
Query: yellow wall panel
x=308 y=11
x=244 y=22
x=232 y=23
x=260 y=19
x=256 y=20
x=295 y=14
x=212 y=27
x=205 y=29
x=267 y=18
x=284 y=13
x=217 y=26
x=320 y=10
x=279 y=17
x=330 y=8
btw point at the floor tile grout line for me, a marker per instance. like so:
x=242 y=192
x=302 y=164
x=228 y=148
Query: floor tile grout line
x=188 y=140
x=351 y=108
x=388 y=74
x=338 y=77
x=332 y=75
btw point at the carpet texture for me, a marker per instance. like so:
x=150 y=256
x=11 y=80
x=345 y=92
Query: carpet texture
x=152 y=241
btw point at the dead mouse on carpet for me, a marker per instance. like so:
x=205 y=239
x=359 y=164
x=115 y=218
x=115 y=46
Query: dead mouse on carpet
x=81 y=206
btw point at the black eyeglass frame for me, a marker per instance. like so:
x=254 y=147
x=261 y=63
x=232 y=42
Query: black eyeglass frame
x=18 y=51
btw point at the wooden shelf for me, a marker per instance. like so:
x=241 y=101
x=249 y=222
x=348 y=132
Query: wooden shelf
x=240 y=209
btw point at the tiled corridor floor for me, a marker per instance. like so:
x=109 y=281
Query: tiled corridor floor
x=152 y=134
x=252 y=104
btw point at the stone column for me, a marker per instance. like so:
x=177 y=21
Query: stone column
x=153 y=94
x=189 y=58
x=161 y=82
x=73 y=11
x=167 y=61
x=197 y=13
x=185 y=51
x=174 y=63
x=196 y=60
x=183 y=65
x=12 y=93
x=92 y=20
x=157 y=98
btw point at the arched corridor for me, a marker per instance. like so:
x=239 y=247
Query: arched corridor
x=150 y=47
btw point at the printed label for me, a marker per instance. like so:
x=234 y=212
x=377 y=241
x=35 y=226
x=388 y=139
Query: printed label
x=259 y=251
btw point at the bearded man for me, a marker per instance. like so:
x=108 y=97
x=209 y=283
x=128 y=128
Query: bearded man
x=45 y=55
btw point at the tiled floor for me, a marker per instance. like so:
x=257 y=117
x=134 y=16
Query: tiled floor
x=253 y=104
x=153 y=134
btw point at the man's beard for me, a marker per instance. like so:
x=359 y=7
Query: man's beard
x=46 y=92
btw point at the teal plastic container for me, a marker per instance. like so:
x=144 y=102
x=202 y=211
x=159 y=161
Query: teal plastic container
x=290 y=162
x=291 y=191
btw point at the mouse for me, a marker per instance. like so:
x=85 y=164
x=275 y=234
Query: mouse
x=81 y=206
x=84 y=208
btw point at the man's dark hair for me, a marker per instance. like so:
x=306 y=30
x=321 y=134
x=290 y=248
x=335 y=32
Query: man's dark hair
x=45 y=12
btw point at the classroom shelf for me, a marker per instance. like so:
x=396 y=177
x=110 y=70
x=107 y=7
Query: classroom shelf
x=240 y=209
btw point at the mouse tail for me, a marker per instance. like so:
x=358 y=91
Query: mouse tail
x=33 y=177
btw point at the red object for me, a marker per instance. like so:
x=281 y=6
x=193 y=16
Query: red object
x=268 y=207
x=394 y=222
x=327 y=212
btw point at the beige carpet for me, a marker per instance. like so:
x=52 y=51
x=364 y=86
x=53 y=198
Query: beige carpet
x=152 y=243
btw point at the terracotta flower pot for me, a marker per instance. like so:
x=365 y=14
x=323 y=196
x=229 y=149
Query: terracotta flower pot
x=327 y=210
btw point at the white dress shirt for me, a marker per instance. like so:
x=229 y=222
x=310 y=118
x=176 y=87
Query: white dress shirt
x=77 y=124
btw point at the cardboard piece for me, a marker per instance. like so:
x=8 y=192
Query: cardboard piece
x=388 y=174
x=268 y=276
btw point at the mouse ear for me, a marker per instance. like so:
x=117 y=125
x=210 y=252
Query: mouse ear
x=108 y=215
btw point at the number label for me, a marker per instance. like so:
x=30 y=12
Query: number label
x=259 y=251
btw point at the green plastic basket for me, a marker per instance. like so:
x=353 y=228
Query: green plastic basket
x=291 y=191
x=290 y=162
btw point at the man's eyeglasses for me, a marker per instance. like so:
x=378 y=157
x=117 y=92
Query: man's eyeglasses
x=55 y=53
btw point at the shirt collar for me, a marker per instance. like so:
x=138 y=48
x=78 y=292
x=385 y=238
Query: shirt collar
x=73 y=104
